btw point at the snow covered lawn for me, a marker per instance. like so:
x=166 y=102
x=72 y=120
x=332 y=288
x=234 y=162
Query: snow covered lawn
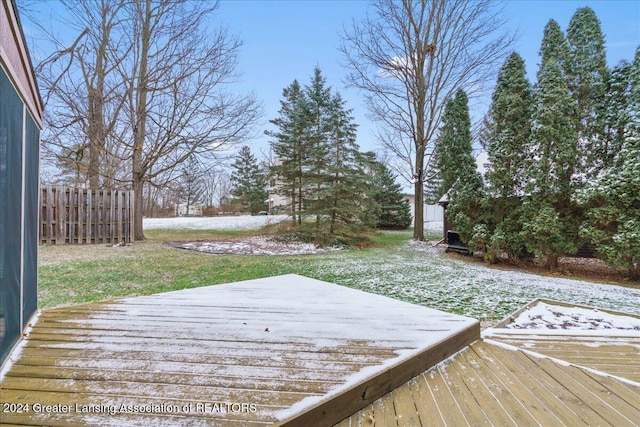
x=422 y=274
x=242 y=222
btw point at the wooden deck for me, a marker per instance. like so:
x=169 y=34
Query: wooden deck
x=519 y=377
x=286 y=350
x=488 y=384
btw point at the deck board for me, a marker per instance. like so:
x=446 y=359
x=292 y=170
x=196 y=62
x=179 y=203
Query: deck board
x=290 y=346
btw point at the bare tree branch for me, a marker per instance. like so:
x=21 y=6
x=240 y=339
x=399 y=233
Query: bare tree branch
x=409 y=58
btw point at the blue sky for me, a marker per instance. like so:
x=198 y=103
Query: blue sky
x=285 y=40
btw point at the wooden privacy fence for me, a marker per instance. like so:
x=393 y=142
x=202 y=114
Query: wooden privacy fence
x=81 y=216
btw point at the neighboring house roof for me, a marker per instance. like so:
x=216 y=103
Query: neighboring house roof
x=15 y=59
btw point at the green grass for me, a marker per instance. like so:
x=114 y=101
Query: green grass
x=395 y=267
x=79 y=274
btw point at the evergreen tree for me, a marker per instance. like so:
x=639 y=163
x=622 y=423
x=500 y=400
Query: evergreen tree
x=550 y=229
x=393 y=210
x=454 y=151
x=613 y=225
x=344 y=188
x=460 y=177
x=319 y=167
x=291 y=148
x=617 y=114
x=508 y=140
x=587 y=77
x=554 y=46
x=634 y=95
x=318 y=133
x=433 y=181
x=248 y=181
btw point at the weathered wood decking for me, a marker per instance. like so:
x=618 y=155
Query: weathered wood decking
x=286 y=350
x=488 y=384
x=519 y=377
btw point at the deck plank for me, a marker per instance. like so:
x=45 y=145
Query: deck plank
x=426 y=406
x=405 y=407
x=585 y=390
x=450 y=409
x=384 y=412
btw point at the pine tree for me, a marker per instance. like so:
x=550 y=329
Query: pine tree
x=613 y=225
x=460 y=177
x=550 y=229
x=508 y=140
x=344 y=190
x=248 y=181
x=393 y=210
x=318 y=98
x=554 y=46
x=291 y=148
x=319 y=166
x=588 y=74
x=454 y=159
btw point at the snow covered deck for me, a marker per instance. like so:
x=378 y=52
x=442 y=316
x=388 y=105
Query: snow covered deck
x=604 y=340
x=285 y=350
x=548 y=364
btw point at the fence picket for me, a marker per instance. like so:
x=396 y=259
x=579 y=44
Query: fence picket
x=80 y=216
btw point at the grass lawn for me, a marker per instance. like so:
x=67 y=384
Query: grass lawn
x=397 y=268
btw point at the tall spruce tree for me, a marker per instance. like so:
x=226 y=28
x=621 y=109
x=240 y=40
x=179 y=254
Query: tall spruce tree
x=554 y=46
x=318 y=132
x=343 y=190
x=460 y=177
x=587 y=75
x=291 y=149
x=454 y=159
x=508 y=140
x=613 y=205
x=550 y=229
x=249 y=181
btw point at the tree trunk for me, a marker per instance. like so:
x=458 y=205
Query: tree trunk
x=418 y=221
x=139 y=126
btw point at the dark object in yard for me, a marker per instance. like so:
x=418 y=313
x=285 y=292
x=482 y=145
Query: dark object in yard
x=454 y=244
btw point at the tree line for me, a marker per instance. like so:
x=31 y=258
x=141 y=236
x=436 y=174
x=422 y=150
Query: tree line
x=564 y=155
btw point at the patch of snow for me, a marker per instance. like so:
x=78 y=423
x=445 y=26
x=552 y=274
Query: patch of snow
x=242 y=222
x=256 y=245
x=548 y=316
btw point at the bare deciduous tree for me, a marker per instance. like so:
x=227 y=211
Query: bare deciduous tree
x=82 y=91
x=409 y=58
x=145 y=86
x=178 y=104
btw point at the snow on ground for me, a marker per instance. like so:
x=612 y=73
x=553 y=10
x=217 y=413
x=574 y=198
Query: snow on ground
x=242 y=222
x=256 y=245
x=422 y=274
x=547 y=316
